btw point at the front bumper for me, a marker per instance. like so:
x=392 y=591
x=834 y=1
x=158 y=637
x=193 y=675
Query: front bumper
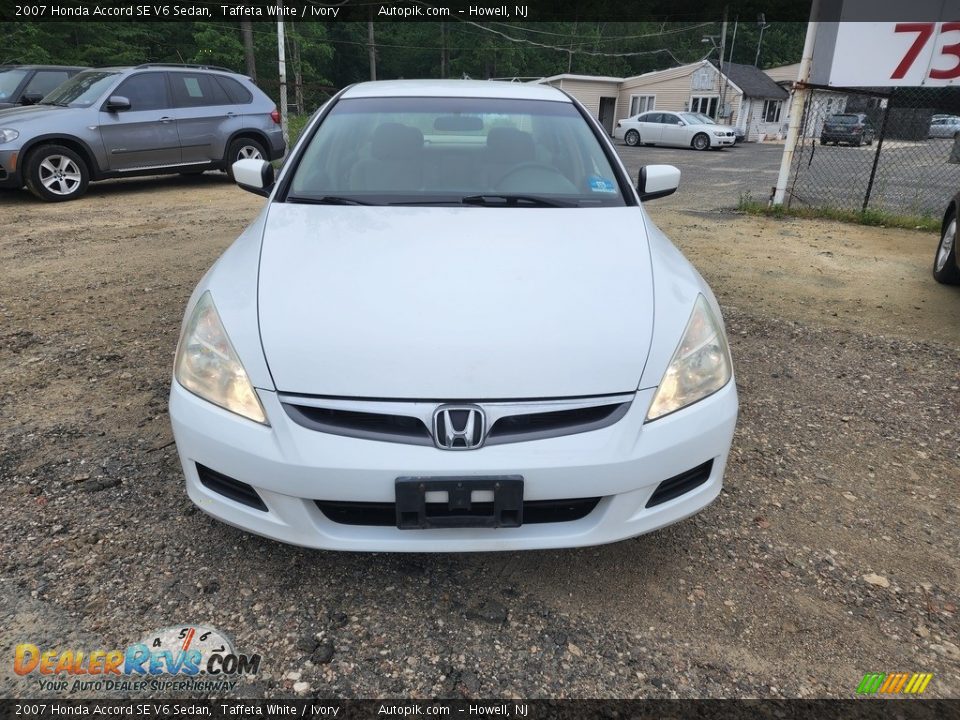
x=841 y=137
x=10 y=176
x=723 y=141
x=290 y=467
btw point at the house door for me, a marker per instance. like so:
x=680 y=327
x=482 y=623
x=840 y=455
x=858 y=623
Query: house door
x=607 y=110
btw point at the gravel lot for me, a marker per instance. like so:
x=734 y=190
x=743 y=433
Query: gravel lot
x=833 y=551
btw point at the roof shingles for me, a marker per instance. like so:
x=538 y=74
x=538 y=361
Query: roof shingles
x=754 y=83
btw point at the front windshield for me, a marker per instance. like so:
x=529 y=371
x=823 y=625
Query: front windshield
x=845 y=119
x=9 y=81
x=81 y=90
x=451 y=150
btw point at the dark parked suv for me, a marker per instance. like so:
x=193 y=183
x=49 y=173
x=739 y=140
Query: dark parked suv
x=851 y=128
x=27 y=84
x=147 y=120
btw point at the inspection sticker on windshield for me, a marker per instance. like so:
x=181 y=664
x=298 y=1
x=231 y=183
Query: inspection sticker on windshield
x=600 y=184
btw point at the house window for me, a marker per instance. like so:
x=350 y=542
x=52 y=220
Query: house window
x=706 y=104
x=641 y=103
x=771 y=110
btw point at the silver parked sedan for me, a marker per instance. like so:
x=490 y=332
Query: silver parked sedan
x=679 y=129
x=945 y=127
x=147 y=120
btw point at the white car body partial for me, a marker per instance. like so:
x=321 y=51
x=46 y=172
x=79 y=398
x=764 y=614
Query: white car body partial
x=680 y=131
x=363 y=306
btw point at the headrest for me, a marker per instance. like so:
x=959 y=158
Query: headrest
x=509 y=145
x=393 y=141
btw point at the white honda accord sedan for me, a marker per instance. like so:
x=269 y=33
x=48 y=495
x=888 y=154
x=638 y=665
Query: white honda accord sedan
x=453 y=327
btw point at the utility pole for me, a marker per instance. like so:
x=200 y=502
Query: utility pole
x=372 y=47
x=246 y=30
x=282 y=64
x=733 y=40
x=443 y=50
x=798 y=98
x=723 y=78
x=762 y=22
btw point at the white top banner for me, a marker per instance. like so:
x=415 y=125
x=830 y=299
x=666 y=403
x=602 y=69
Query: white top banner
x=878 y=54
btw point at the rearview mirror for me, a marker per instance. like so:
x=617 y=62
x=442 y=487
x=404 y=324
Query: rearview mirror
x=461 y=123
x=117 y=103
x=254 y=176
x=657 y=181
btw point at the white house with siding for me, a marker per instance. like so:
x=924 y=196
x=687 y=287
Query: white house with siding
x=598 y=94
x=823 y=103
x=742 y=96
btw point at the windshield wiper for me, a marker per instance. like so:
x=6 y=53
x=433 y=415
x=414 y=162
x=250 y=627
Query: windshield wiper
x=498 y=200
x=326 y=200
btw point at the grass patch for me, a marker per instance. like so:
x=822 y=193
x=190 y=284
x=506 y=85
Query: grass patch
x=295 y=126
x=878 y=218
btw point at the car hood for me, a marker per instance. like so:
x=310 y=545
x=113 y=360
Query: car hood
x=29 y=113
x=455 y=303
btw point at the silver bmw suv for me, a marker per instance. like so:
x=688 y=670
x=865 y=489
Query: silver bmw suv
x=147 y=120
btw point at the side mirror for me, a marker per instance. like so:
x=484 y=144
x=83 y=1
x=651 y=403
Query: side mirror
x=116 y=103
x=657 y=181
x=254 y=176
x=30 y=98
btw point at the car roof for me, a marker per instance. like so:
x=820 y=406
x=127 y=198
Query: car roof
x=160 y=67
x=455 y=88
x=43 y=67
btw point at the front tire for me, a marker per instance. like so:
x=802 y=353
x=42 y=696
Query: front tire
x=244 y=149
x=632 y=138
x=701 y=142
x=945 y=261
x=55 y=173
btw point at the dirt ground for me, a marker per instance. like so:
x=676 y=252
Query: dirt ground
x=833 y=551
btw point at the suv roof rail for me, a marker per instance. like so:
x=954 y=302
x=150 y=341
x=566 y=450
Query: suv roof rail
x=184 y=65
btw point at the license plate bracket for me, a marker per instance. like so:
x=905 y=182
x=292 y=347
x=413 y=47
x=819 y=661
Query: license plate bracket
x=460 y=509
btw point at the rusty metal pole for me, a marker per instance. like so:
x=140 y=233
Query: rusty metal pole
x=876 y=155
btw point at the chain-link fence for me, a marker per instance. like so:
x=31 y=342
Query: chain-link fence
x=895 y=150
x=302 y=99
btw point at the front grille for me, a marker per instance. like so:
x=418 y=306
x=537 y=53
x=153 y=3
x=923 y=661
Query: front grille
x=228 y=487
x=385 y=514
x=680 y=484
x=411 y=422
x=352 y=423
x=514 y=428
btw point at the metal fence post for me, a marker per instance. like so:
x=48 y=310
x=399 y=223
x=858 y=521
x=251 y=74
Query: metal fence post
x=876 y=155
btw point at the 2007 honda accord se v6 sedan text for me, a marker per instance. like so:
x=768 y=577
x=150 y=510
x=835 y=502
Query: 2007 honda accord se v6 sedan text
x=453 y=327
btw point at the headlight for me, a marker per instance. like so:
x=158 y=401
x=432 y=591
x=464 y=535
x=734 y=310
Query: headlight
x=8 y=135
x=720 y=133
x=700 y=366
x=208 y=366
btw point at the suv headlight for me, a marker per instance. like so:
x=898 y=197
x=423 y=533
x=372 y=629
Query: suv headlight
x=700 y=366
x=208 y=366
x=8 y=135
